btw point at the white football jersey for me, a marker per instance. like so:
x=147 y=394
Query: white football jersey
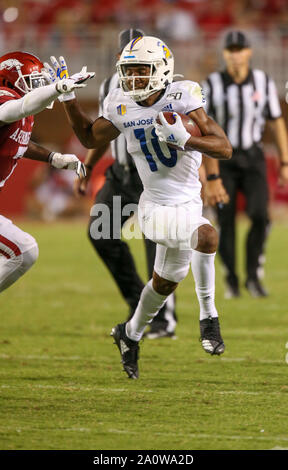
x=169 y=176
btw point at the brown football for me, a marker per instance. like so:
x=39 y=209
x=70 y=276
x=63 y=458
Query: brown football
x=188 y=123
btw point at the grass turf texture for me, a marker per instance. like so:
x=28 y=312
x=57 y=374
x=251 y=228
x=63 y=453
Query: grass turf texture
x=61 y=381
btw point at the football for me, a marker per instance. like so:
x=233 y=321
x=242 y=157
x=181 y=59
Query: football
x=188 y=123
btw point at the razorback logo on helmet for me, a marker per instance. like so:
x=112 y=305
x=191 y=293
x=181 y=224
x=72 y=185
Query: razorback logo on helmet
x=9 y=64
x=5 y=93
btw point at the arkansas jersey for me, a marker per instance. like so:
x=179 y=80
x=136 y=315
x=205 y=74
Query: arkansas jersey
x=169 y=176
x=14 y=138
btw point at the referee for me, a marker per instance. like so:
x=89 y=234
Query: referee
x=122 y=180
x=241 y=100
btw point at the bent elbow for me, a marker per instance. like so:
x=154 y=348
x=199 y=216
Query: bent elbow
x=88 y=144
x=85 y=138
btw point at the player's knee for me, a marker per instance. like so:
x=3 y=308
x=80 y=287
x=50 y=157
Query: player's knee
x=207 y=239
x=29 y=257
x=163 y=286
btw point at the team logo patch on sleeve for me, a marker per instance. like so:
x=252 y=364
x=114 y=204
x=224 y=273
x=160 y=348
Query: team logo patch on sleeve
x=121 y=109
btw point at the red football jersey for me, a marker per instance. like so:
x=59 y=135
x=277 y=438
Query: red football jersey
x=14 y=138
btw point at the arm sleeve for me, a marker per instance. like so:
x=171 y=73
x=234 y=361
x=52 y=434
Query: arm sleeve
x=273 y=104
x=29 y=104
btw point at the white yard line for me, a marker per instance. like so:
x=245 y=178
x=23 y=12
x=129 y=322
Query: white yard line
x=68 y=388
x=46 y=357
x=206 y=436
x=79 y=388
x=210 y=437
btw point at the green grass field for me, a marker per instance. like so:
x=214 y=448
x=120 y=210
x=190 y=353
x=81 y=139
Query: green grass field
x=61 y=381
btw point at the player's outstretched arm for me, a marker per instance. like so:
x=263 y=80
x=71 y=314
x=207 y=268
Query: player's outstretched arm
x=58 y=160
x=37 y=100
x=92 y=135
x=31 y=103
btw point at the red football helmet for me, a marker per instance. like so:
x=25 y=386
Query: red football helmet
x=21 y=71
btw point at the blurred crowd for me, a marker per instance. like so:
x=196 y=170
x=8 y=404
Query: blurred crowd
x=175 y=19
x=79 y=28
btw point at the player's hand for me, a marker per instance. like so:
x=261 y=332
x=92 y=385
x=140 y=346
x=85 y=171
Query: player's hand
x=67 y=161
x=56 y=72
x=215 y=193
x=65 y=85
x=81 y=184
x=283 y=175
x=175 y=134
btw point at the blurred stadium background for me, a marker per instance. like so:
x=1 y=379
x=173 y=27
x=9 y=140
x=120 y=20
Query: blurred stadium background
x=86 y=32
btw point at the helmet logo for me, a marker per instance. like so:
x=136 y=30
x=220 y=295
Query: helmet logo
x=134 y=42
x=5 y=93
x=166 y=51
x=9 y=64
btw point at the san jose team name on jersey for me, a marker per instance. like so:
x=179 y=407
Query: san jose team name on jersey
x=140 y=122
x=169 y=176
x=21 y=137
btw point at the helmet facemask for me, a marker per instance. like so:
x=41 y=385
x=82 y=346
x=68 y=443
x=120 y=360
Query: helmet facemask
x=132 y=88
x=27 y=83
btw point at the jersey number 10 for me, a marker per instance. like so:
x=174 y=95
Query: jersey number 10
x=170 y=162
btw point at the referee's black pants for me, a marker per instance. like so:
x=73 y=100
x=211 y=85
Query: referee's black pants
x=114 y=252
x=245 y=172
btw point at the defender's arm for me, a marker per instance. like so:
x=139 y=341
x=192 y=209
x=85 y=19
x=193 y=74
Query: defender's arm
x=57 y=160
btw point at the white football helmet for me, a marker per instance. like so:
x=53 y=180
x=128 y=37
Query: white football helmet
x=146 y=50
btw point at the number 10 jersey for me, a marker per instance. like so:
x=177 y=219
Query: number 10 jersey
x=169 y=176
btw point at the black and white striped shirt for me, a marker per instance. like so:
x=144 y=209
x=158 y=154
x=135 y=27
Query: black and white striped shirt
x=118 y=146
x=242 y=109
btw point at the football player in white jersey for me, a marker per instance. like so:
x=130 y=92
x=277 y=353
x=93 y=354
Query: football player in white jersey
x=170 y=207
